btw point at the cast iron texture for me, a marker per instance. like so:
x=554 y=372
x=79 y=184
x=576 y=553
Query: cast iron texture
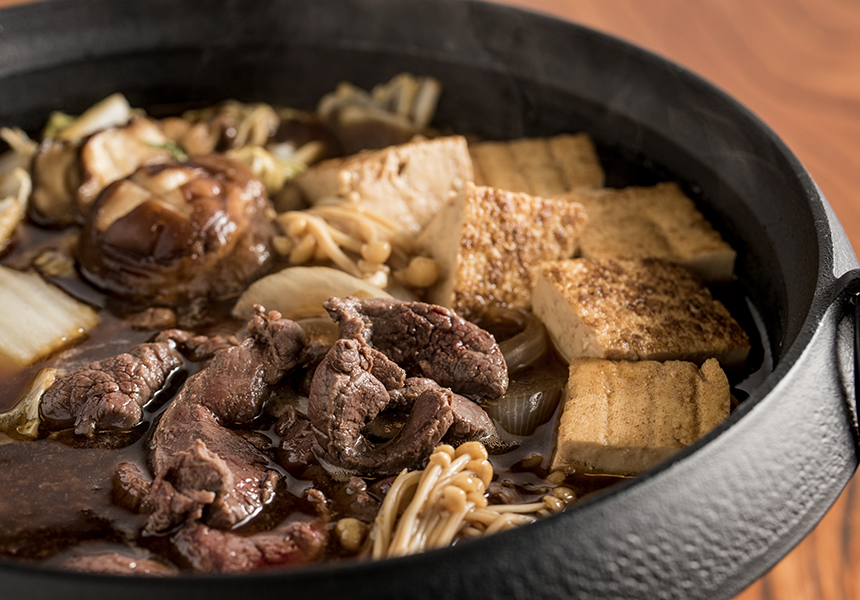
x=703 y=525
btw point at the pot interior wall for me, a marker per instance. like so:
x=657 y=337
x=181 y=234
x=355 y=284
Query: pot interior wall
x=735 y=172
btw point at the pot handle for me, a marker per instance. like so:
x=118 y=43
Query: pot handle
x=854 y=288
x=848 y=290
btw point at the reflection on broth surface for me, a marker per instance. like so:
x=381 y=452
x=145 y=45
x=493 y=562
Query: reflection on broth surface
x=276 y=375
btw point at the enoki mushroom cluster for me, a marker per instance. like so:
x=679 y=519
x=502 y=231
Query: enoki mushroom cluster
x=430 y=508
x=355 y=239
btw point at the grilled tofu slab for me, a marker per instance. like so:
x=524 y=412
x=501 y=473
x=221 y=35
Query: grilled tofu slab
x=622 y=417
x=543 y=167
x=407 y=184
x=653 y=222
x=490 y=244
x=645 y=309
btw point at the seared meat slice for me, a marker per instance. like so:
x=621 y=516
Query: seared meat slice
x=231 y=480
x=427 y=341
x=296 y=449
x=130 y=486
x=153 y=318
x=172 y=232
x=211 y=551
x=116 y=563
x=196 y=348
x=350 y=388
x=109 y=394
x=203 y=469
x=470 y=420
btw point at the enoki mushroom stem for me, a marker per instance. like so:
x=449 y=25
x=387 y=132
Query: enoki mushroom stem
x=355 y=239
x=430 y=508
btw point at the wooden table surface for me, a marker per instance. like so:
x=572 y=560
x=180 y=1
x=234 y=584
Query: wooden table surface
x=795 y=63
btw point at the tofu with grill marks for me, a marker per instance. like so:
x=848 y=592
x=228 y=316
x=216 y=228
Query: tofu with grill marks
x=622 y=417
x=645 y=309
x=490 y=243
x=653 y=222
x=543 y=167
x=406 y=184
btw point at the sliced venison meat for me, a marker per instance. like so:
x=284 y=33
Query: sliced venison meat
x=194 y=347
x=296 y=454
x=209 y=550
x=350 y=388
x=470 y=420
x=427 y=341
x=217 y=471
x=296 y=449
x=116 y=563
x=130 y=486
x=109 y=394
x=153 y=318
x=203 y=470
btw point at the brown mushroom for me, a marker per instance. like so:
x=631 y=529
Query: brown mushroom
x=173 y=232
x=115 y=153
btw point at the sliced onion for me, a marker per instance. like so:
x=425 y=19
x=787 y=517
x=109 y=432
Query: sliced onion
x=522 y=349
x=23 y=419
x=321 y=329
x=299 y=292
x=530 y=400
x=337 y=473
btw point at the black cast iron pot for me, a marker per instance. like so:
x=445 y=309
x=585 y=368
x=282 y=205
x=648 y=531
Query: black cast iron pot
x=703 y=525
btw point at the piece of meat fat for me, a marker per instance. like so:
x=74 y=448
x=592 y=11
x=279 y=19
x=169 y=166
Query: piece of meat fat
x=407 y=184
x=490 y=243
x=635 y=310
x=622 y=417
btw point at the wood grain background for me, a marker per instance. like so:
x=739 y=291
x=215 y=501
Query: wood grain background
x=795 y=63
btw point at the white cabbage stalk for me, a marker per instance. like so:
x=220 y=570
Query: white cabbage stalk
x=38 y=318
x=405 y=99
x=272 y=171
x=15 y=188
x=21 y=149
x=110 y=112
x=299 y=292
x=23 y=418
